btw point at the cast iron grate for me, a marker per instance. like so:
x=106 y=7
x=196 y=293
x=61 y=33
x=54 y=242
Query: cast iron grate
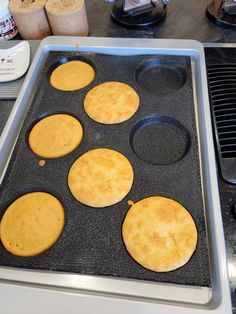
x=222 y=88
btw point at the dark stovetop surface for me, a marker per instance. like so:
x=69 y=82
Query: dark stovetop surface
x=221 y=63
x=185 y=20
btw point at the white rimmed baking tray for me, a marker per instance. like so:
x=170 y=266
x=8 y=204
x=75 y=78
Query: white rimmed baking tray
x=148 y=297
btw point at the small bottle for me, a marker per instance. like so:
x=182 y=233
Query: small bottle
x=8 y=27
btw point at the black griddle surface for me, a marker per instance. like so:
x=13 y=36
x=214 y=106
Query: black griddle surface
x=92 y=242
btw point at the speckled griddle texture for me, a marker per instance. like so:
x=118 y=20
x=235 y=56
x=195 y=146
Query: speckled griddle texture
x=92 y=242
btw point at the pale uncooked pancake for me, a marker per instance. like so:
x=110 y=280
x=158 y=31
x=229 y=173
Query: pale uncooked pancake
x=159 y=233
x=101 y=177
x=32 y=224
x=55 y=136
x=111 y=103
x=72 y=75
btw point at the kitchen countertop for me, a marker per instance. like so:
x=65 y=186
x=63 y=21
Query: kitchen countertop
x=185 y=19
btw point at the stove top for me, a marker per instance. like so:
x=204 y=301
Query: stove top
x=221 y=70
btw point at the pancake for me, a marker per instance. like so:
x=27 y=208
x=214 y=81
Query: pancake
x=72 y=75
x=159 y=234
x=32 y=224
x=55 y=136
x=111 y=103
x=100 y=178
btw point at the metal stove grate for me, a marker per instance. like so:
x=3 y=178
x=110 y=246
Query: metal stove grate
x=222 y=88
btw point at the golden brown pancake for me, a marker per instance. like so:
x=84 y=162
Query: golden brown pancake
x=159 y=234
x=55 y=136
x=101 y=177
x=111 y=102
x=32 y=224
x=72 y=75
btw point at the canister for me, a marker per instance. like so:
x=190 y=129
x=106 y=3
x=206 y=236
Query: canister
x=67 y=17
x=30 y=18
